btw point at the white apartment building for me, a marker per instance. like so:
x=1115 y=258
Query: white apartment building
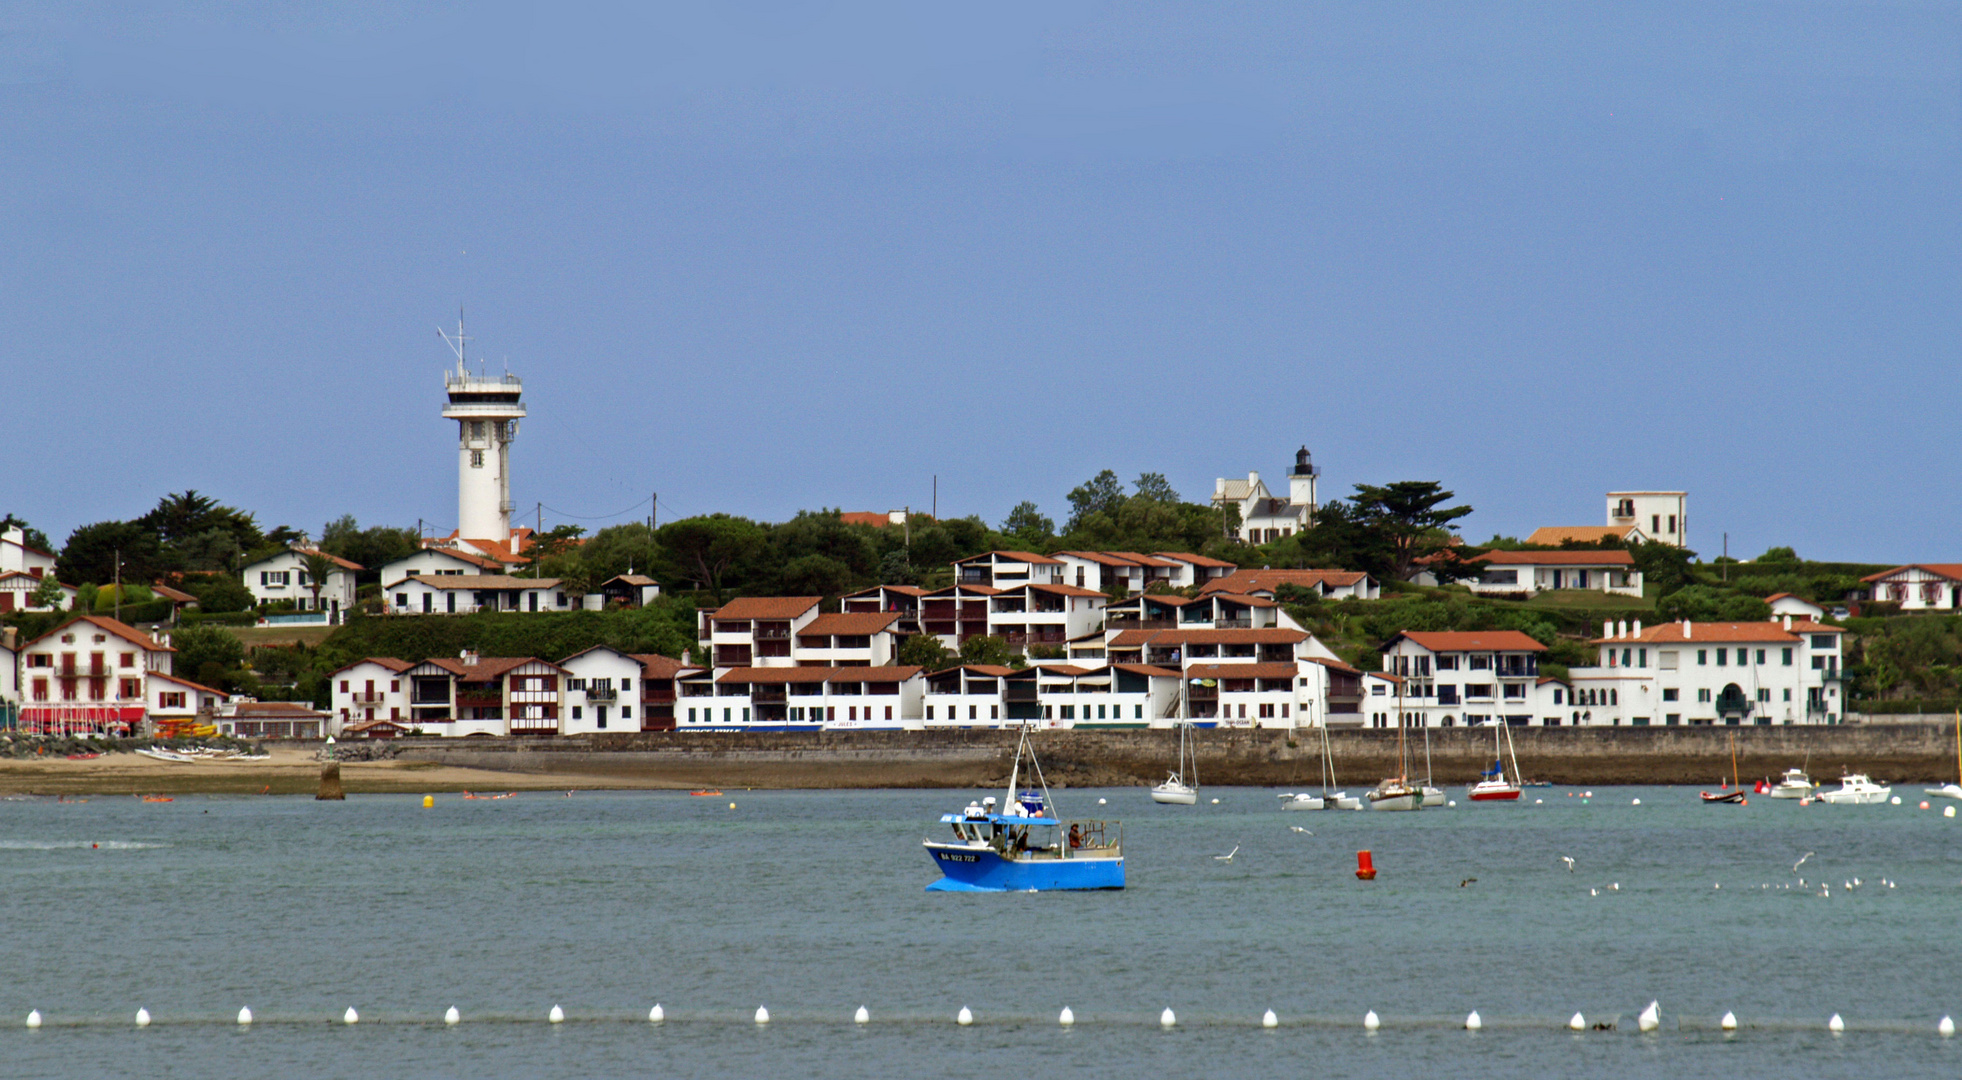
x=900 y=600
x=1918 y=586
x=1529 y=573
x=94 y=675
x=1008 y=569
x=849 y=639
x=284 y=577
x=799 y=699
x=756 y=631
x=1126 y=572
x=1263 y=516
x=1188 y=570
x=956 y=613
x=463 y=594
x=1662 y=515
x=1695 y=674
x=1470 y=678
x=1052 y=615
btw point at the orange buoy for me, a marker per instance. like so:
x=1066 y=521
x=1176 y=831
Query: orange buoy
x=1365 y=867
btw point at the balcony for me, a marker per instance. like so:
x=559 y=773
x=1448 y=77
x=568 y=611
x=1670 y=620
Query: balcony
x=370 y=697
x=654 y=696
x=478 y=701
x=975 y=576
x=1143 y=624
x=766 y=695
x=1243 y=622
x=601 y=693
x=772 y=632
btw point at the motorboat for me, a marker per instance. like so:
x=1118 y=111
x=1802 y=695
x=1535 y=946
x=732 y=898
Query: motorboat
x=1181 y=788
x=1856 y=789
x=1021 y=845
x=1396 y=793
x=1793 y=785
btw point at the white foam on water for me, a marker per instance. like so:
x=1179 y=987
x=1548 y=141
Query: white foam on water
x=62 y=845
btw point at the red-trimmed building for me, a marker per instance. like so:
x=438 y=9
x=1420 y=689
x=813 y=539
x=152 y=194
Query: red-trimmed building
x=94 y=675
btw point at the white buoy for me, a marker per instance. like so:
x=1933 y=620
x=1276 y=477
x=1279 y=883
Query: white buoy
x=1268 y=1019
x=1216 y=801
x=964 y=1017
x=1635 y=802
x=1472 y=1022
x=1651 y=1017
x=1166 y=1019
x=1835 y=1025
x=244 y=1017
x=350 y=1016
x=1946 y=1028
x=1729 y=1022
x=1066 y=1017
x=1896 y=800
x=1537 y=802
x=862 y=1016
x=1452 y=802
x=1370 y=1022
x=34 y=1018
x=762 y=1015
x=1948 y=811
x=142 y=1018
x=1100 y=802
x=452 y=1017
x=1578 y=1023
x=556 y=1016
x=656 y=1014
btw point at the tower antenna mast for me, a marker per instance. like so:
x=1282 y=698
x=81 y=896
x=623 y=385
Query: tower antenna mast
x=456 y=343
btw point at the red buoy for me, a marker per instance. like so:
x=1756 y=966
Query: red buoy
x=1365 y=867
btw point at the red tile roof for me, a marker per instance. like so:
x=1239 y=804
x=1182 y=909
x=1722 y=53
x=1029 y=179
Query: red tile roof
x=1012 y=556
x=1584 y=534
x=1105 y=558
x=1197 y=560
x=1772 y=631
x=865 y=517
x=1060 y=590
x=474 y=582
x=1951 y=571
x=1338 y=665
x=1147 y=669
x=1241 y=671
x=200 y=687
x=656 y=666
x=1251 y=581
x=765 y=607
x=1469 y=641
x=335 y=559
x=853 y=622
x=122 y=630
x=1151 y=561
x=389 y=662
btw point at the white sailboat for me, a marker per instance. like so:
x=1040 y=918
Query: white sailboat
x=1330 y=798
x=1397 y=792
x=1433 y=795
x=1952 y=791
x=1495 y=787
x=1182 y=787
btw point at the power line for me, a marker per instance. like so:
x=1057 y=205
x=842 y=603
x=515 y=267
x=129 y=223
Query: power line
x=599 y=517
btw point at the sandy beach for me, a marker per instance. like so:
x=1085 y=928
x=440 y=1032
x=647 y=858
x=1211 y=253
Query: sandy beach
x=292 y=771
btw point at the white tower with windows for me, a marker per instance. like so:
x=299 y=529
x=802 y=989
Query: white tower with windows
x=486 y=409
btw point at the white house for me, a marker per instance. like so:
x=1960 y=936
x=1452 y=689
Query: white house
x=1263 y=516
x=1007 y=569
x=630 y=590
x=1663 y=515
x=474 y=695
x=1528 y=573
x=848 y=639
x=284 y=577
x=1797 y=607
x=1469 y=677
x=16 y=557
x=17 y=589
x=91 y=675
x=367 y=690
x=599 y=693
x=463 y=594
x=1126 y=571
x=956 y=613
x=1918 y=586
x=1044 y=614
x=178 y=702
x=1188 y=570
x=433 y=561
x=1683 y=673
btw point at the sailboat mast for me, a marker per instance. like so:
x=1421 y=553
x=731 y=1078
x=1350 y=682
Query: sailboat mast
x=1403 y=759
x=1518 y=777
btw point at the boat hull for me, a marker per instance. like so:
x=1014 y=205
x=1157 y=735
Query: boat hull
x=1433 y=796
x=1412 y=801
x=1946 y=791
x=970 y=869
x=1303 y=802
x=1174 y=798
x=1493 y=793
x=1856 y=798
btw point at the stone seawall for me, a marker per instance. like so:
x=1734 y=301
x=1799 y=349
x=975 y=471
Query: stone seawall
x=1912 y=753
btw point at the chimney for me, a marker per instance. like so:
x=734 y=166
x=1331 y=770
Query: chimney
x=514 y=541
x=1621 y=628
x=1788 y=624
x=16 y=534
x=1608 y=629
x=1638 y=628
x=1686 y=629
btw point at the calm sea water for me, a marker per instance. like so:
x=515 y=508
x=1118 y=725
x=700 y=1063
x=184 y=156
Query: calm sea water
x=811 y=903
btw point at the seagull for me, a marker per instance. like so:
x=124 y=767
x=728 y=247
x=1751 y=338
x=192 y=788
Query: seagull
x=1228 y=857
x=1466 y=882
x=1569 y=860
x=1299 y=829
x=1801 y=861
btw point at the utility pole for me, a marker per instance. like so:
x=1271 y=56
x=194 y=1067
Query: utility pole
x=654 y=512
x=907 y=524
x=936 y=496
x=119 y=583
x=1725 y=572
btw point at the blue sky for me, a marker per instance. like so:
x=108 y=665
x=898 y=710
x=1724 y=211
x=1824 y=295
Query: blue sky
x=778 y=256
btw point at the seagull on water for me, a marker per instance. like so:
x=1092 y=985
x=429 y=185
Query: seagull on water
x=1569 y=860
x=1299 y=829
x=1228 y=857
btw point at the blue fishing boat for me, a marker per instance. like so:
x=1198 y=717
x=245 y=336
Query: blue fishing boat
x=1021 y=845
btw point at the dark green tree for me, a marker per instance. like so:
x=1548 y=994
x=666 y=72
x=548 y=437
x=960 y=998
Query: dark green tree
x=815 y=575
x=987 y=649
x=203 y=649
x=1027 y=526
x=1102 y=493
x=708 y=550
x=1155 y=487
x=1411 y=517
x=33 y=537
x=92 y=550
x=925 y=651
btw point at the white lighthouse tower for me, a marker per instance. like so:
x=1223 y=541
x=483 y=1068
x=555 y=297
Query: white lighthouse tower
x=486 y=410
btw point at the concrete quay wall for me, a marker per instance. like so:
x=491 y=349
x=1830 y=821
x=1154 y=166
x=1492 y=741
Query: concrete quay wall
x=1912 y=753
